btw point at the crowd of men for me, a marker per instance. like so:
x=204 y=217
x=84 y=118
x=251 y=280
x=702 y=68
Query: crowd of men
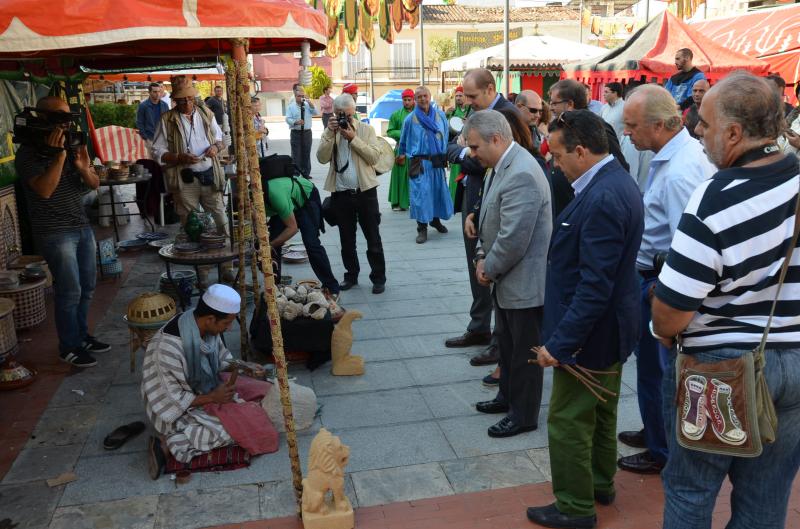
x=580 y=253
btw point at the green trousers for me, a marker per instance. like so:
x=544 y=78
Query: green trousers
x=582 y=432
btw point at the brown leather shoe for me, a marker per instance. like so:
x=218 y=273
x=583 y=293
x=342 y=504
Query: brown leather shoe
x=468 y=338
x=489 y=356
x=641 y=463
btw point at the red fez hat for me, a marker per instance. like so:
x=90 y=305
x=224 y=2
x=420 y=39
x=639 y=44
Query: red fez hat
x=350 y=88
x=408 y=93
x=460 y=89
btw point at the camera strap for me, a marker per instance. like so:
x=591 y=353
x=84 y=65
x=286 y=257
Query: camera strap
x=758 y=153
x=187 y=136
x=336 y=158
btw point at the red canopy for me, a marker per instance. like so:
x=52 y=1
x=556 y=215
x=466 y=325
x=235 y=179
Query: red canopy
x=651 y=53
x=104 y=34
x=770 y=34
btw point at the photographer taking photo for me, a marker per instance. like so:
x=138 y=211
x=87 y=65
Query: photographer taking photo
x=55 y=174
x=352 y=149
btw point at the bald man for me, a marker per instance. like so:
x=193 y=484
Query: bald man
x=54 y=178
x=691 y=116
x=530 y=106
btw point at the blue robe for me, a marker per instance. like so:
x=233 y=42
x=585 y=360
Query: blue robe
x=428 y=193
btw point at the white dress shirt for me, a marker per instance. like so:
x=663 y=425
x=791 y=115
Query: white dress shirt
x=197 y=142
x=586 y=178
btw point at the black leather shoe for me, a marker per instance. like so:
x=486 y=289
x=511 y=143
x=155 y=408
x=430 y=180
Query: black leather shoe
x=422 y=236
x=378 y=289
x=605 y=498
x=641 y=463
x=487 y=357
x=468 y=338
x=550 y=516
x=491 y=406
x=347 y=284
x=632 y=439
x=506 y=427
x=489 y=381
x=441 y=228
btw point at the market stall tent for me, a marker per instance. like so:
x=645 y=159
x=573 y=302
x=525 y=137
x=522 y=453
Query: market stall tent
x=650 y=54
x=772 y=35
x=534 y=58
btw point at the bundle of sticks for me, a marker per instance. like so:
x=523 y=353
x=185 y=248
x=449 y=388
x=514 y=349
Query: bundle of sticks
x=584 y=375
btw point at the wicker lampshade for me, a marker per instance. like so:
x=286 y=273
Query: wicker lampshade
x=151 y=308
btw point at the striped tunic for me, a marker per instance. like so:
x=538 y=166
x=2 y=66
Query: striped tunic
x=168 y=397
x=726 y=257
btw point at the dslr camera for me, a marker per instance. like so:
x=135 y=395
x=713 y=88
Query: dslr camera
x=343 y=120
x=32 y=126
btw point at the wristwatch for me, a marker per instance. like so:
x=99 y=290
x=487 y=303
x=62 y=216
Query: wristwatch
x=478 y=256
x=653 y=333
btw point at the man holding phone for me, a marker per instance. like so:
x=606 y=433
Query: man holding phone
x=187 y=143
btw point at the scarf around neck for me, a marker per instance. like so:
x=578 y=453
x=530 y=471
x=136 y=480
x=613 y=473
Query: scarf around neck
x=429 y=126
x=202 y=355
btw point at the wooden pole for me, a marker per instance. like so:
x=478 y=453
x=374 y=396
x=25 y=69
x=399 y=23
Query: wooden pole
x=239 y=54
x=239 y=115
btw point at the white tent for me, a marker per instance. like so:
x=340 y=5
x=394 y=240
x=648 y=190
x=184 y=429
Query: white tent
x=532 y=52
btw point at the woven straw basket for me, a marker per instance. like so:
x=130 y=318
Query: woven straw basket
x=151 y=308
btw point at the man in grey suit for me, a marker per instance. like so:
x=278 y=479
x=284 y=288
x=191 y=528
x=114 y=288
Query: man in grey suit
x=514 y=233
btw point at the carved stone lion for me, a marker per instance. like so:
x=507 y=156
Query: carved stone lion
x=326 y=462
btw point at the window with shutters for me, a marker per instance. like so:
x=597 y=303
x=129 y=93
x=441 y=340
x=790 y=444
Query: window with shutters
x=404 y=60
x=356 y=63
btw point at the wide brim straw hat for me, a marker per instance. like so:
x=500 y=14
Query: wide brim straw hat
x=182 y=87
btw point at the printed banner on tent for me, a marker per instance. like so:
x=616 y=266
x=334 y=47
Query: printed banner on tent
x=469 y=41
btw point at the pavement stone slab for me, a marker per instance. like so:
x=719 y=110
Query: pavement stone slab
x=63 y=426
x=126 y=400
x=277 y=499
x=425 y=345
x=395 y=446
x=85 y=387
x=492 y=471
x=107 y=424
x=379 y=349
x=541 y=460
x=130 y=513
x=387 y=485
x=456 y=399
x=203 y=508
x=377 y=376
x=439 y=370
x=29 y=505
x=47 y=462
x=375 y=409
x=468 y=437
x=417 y=325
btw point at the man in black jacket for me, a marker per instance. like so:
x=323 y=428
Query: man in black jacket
x=480 y=92
x=567 y=95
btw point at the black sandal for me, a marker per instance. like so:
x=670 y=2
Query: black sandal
x=122 y=435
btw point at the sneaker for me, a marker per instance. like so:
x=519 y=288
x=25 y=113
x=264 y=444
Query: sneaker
x=93 y=345
x=78 y=357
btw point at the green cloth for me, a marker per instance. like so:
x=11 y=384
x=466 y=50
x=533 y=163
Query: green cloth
x=582 y=433
x=285 y=194
x=455 y=168
x=398 y=183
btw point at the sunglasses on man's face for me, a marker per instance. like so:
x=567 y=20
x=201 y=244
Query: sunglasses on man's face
x=182 y=100
x=534 y=110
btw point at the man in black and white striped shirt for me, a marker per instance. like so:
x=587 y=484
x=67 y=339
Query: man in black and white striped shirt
x=716 y=291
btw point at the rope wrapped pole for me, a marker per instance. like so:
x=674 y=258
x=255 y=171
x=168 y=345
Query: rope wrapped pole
x=240 y=115
x=239 y=54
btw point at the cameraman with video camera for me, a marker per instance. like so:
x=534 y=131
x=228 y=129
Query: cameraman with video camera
x=55 y=171
x=352 y=149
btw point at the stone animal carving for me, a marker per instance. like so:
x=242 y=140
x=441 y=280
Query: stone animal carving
x=343 y=362
x=327 y=459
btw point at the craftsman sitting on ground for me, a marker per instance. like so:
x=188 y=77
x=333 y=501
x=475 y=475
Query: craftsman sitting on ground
x=190 y=406
x=293 y=204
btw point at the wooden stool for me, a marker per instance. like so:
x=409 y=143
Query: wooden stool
x=140 y=336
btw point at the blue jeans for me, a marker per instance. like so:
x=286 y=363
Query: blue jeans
x=651 y=359
x=761 y=485
x=71 y=257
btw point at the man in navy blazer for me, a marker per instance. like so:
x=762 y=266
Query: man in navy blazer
x=591 y=317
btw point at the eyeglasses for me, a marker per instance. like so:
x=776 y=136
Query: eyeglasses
x=562 y=120
x=558 y=102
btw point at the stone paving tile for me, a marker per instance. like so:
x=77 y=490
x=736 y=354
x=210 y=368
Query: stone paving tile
x=104 y=426
x=193 y=509
x=457 y=399
x=377 y=376
x=425 y=345
x=43 y=463
x=438 y=370
x=64 y=426
x=92 y=384
x=29 y=505
x=395 y=446
x=541 y=460
x=493 y=471
x=131 y=513
x=376 y=350
x=126 y=401
x=468 y=437
x=377 y=487
x=276 y=499
x=416 y=325
x=379 y=408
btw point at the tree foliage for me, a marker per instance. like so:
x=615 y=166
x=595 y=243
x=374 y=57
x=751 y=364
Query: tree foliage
x=440 y=49
x=104 y=114
x=319 y=81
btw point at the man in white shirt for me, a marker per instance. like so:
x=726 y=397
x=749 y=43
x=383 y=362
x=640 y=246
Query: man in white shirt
x=612 y=109
x=298 y=117
x=653 y=123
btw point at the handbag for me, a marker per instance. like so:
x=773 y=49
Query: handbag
x=725 y=407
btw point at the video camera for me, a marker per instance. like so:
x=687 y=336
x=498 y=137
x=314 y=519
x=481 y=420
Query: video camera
x=32 y=126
